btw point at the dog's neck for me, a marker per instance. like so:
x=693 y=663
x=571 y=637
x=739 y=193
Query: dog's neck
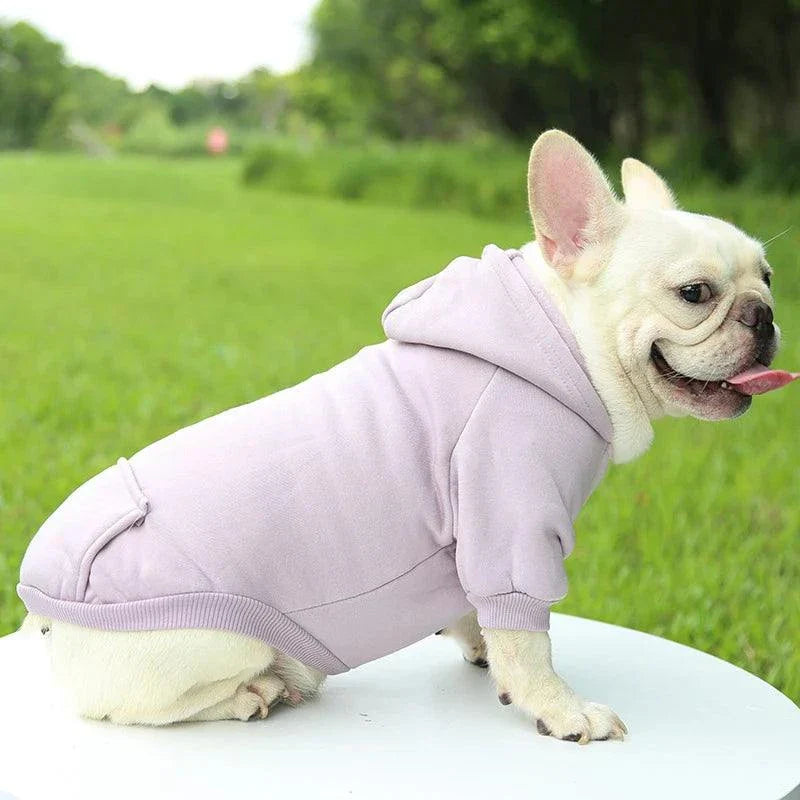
x=630 y=419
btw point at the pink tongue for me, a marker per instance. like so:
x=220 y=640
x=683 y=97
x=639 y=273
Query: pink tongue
x=760 y=379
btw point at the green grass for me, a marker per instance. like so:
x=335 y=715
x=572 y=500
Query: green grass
x=137 y=296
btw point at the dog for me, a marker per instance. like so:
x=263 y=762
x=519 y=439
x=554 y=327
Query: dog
x=427 y=484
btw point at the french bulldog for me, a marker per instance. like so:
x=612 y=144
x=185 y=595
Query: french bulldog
x=672 y=313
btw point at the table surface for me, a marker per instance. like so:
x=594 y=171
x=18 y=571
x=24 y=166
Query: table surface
x=424 y=724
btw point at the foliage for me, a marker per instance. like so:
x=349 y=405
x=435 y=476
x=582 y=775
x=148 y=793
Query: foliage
x=165 y=292
x=778 y=166
x=481 y=178
x=718 y=73
x=100 y=99
x=32 y=78
x=700 y=86
x=380 y=54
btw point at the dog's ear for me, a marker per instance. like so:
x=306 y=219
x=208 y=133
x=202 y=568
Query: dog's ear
x=571 y=202
x=644 y=187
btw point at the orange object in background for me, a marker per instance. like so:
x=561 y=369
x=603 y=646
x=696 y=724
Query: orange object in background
x=217 y=141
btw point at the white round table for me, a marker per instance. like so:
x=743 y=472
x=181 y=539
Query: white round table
x=424 y=724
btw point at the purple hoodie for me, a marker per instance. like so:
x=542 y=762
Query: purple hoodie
x=359 y=511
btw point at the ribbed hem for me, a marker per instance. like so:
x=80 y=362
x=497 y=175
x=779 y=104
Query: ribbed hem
x=212 y=610
x=514 y=611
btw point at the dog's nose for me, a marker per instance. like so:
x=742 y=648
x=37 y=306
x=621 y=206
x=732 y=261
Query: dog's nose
x=758 y=315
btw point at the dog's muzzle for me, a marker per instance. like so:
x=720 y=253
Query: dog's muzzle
x=756 y=314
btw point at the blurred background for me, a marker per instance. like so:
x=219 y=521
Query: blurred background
x=202 y=204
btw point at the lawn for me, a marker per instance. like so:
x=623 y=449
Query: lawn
x=138 y=296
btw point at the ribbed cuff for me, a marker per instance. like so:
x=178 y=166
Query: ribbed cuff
x=514 y=611
x=213 y=610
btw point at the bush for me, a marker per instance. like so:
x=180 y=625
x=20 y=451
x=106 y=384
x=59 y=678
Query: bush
x=152 y=132
x=437 y=183
x=260 y=164
x=486 y=179
x=777 y=167
x=282 y=167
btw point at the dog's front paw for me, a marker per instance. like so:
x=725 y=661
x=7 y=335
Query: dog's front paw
x=579 y=721
x=567 y=716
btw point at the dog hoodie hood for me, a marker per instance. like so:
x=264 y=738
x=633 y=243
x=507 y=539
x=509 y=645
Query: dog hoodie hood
x=494 y=309
x=363 y=509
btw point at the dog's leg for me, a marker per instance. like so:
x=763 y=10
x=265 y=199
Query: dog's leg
x=302 y=681
x=522 y=667
x=467 y=634
x=159 y=677
x=223 y=699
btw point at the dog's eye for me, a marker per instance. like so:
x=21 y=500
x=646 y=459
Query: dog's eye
x=767 y=279
x=696 y=292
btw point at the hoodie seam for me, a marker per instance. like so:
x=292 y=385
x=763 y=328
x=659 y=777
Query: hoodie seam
x=373 y=588
x=565 y=377
x=452 y=513
x=425 y=283
x=549 y=312
x=472 y=411
x=450 y=482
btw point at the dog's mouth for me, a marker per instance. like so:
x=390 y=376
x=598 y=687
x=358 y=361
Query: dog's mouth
x=696 y=387
x=756 y=379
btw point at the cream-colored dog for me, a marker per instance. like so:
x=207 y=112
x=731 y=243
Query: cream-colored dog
x=665 y=305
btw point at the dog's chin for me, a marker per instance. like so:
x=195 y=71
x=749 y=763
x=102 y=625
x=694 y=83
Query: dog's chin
x=694 y=396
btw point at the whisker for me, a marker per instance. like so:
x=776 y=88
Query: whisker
x=669 y=378
x=777 y=236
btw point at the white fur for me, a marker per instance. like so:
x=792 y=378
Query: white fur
x=522 y=667
x=617 y=289
x=467 y=634
x=160 y=677
x=644 y=187
x=612 y=269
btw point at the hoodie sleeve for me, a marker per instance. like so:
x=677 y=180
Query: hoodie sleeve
x=517 y=485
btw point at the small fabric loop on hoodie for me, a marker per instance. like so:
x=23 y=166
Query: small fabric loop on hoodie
x=132 y=485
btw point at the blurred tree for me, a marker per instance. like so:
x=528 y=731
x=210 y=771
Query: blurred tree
x=717 y=75
x=381 y=55
x=434 y=67
x=98 y=99
x=264 y=97
x=692 y=84
x=190 y=104
x=32 y=77
x=97 y=105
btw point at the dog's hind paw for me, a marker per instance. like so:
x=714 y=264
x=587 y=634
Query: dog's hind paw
x=269 y=689
x=247 y=705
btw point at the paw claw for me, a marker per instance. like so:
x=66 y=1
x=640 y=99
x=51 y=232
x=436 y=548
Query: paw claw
x=578 y=721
